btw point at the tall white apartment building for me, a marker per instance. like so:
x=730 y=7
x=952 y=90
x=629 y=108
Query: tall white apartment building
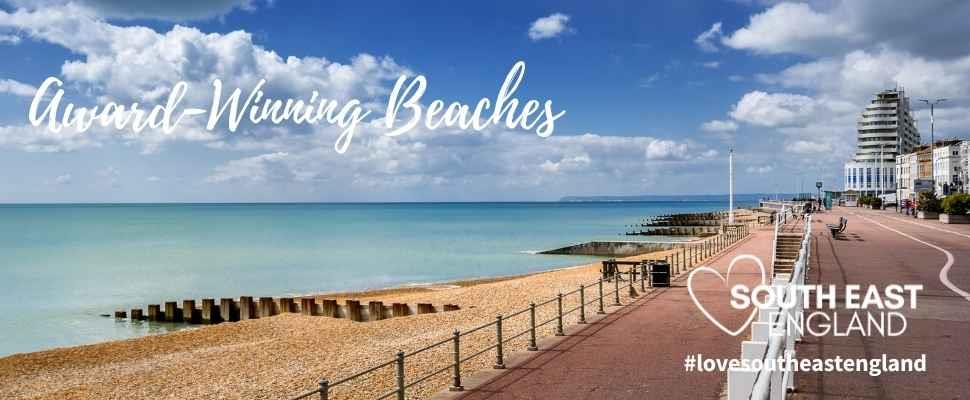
x=884 y=130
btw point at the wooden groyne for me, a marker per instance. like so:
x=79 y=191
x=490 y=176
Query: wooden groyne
x=210 y=311
x=691 y=224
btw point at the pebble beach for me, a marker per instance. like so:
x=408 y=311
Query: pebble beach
x=286 y=355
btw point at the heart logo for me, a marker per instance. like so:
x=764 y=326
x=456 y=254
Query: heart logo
x=706 y=269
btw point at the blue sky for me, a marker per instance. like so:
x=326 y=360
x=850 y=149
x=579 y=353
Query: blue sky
x=655 y=94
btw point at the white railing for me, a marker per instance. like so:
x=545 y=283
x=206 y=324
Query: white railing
x=773 y=337
x=781 y=215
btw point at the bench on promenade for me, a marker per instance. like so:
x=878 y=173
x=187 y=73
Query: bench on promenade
x=837 y=229
x=611 y=268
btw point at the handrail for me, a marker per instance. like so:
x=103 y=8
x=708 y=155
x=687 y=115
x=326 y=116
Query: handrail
x=747 y=384
x=402 y=385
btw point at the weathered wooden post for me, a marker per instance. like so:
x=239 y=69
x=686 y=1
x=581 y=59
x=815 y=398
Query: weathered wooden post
x=400 y=310
x=456 y=375
x=308 y=306
x=136 y=314
x=425 y=308
x=376 y=310
x=600 y=310
x=189 y=313
x=155 y=313
x=266 y=307
x=353 y=310
x=329 y=308
x=228 y=311
x=286 y=305
x=451 y=307
x=210 y=311
x=121 y=314
x=247 y=310
x=172 y=312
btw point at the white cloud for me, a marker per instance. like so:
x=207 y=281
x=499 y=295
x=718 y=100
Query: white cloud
x=448 y=158
x=760 y=169
x=773 y=109
x=169 y=10
x=31 y=139
x=136 y=64
x=9 y=39
x=790 y=28
x=719 y=126
x=707 y=39
x=153 y=179
x=649 y=81
x=826 y=28
x=549 y=27
x=711 y=64
x=808 y=147
x=567 y=164
x=257 y=168
x=17 y=88
x=735 y=78
x=666 y=150
x=63 y=179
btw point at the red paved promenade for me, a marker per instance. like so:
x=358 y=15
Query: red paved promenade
x=873 y=252
x=638 y=352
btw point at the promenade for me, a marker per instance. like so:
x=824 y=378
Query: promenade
x=881 y=248
x=638 y=351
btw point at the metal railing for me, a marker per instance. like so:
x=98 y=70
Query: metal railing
x=773 y=336
x=688 y=256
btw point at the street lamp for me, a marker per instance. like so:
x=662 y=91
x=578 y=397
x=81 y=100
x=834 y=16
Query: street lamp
x=932 y=137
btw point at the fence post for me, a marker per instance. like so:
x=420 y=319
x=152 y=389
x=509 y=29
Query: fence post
x=601 y=311
x=559 y=331
x=499 y=357
x=686 y=266
x=456 y=375
x=400 y=375
x=582 y=304
x=532 y=326
x=633 y=293
x=643 y=277
x=324 y=389
x=616 y=292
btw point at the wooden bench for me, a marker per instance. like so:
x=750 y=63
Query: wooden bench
x=837 y=229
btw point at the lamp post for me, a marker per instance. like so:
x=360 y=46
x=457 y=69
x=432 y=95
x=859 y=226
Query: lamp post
x=818 y=188
x=932 y=137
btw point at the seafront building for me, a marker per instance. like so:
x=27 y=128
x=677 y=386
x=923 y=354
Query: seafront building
x=914 y=172
x=948 y=168
x=885 y=130
x=965 y=165
x=944 y=168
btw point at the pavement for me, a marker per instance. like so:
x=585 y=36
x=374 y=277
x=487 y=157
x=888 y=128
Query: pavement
x=881 y=248
x=638 y=351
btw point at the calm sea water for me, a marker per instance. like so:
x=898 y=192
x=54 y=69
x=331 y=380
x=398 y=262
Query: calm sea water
x=63 y=265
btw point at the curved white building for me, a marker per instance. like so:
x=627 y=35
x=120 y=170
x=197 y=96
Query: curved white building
x=884 y=130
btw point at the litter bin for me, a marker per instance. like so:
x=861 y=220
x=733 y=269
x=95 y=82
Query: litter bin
x=659 y=274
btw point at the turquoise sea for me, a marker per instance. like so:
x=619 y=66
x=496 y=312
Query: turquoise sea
x=64 y=265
